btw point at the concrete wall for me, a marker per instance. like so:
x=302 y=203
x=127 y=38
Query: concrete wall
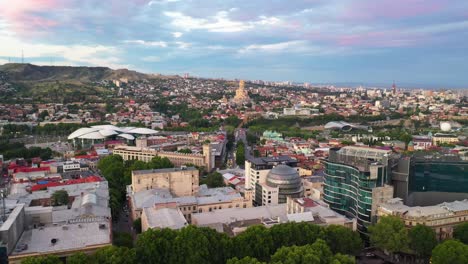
x=12 y=228
x=180 y=183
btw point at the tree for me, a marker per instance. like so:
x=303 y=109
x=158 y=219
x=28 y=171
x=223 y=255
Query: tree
x=389 y=234
x=156 y=246
x=114 y=255
x=137 y=225
x=48 y=259
x=213 y=180
x=59 y=197
x=461 y=232
x=78 y=258
x=191 y=247
x=185 y=150
x=422 y=239
x=342 y=240
x=122 y=239
x=246 y=260
x=255 y=242
x=318 y=252
x=160 y=163
x=43 y=115
x=290 y=234
x=240 y=154
x=450 y=252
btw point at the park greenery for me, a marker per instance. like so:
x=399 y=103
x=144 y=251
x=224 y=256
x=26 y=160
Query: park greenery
x=282 y=243
x=18 y=150
x=240 y=153
x=118 y=175
x=391 y=235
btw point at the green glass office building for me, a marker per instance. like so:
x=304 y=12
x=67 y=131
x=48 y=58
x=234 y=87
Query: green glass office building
x=356 y=181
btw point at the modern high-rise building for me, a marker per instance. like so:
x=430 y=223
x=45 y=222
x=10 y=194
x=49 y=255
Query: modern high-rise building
x=357 y=181
x=426 y=179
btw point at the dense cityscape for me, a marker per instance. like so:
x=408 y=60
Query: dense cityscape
x=199 y=154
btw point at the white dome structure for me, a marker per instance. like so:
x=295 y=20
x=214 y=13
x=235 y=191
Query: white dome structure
x=105 y=131
x=445 y=126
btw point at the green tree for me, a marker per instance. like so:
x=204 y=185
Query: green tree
x=450 y=252
x=240 y=154
x=213 y=180
x=59 y=197
x=255 y=242
x=137 y=225
x=290 y=234
x=122 y=239
x=78 y=258
x=156 y=246
x=342 y=240
x=114 y=255
x=390 y=234
x=318 y=252
x=461 y=232
x=191 y=247
x=43 y=115
x=422 y=240
x=185 y=150
x=246 y=260
x=160 y=163
x=49 y=259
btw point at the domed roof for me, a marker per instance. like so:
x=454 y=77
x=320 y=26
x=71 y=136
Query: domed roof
x=283 y=176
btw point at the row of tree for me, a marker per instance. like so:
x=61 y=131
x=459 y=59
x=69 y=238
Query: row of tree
x=391 y=235
x=283 y=243
x=240 y=153
x=18 y=150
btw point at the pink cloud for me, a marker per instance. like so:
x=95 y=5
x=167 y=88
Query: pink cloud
x=23 y=15
x=391 y=9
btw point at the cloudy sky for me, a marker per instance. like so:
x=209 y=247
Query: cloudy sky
x=419 y=42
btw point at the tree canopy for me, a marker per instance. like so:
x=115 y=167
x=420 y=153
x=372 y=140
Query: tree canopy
x=59 y=197
x=450 y=251
x=422 y=239
x=390 y=234
x=213 y=180
x=461 y=232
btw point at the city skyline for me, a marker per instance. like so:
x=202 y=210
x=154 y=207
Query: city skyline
x=413 y=42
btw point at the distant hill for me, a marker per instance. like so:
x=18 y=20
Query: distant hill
x=59 y=83
x=29 y=72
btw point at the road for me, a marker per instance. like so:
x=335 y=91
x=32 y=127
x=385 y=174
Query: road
x=124 y=223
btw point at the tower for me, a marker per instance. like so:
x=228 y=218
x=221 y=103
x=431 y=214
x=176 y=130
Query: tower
x=394 y=88
x=209 y=160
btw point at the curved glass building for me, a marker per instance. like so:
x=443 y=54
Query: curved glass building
x=356 y=182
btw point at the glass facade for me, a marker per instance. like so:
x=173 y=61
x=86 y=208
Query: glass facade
x=349 y=191
x=437 y=176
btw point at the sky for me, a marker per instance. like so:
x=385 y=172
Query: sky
x=414 y=42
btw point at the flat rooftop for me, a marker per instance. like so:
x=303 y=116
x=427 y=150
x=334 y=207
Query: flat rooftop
x=269 y=160
x=165 y=218
x=141 y=172
x=68 y=237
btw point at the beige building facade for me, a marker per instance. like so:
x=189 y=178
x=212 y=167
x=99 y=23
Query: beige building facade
x=180 y=181
x=442 y=218
x=178 y=159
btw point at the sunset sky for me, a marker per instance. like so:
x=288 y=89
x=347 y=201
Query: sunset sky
x=414 y=42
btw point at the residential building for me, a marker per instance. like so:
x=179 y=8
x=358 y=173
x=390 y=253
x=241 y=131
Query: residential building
x=178 y=159
x=257 y=169
x=181 y=181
